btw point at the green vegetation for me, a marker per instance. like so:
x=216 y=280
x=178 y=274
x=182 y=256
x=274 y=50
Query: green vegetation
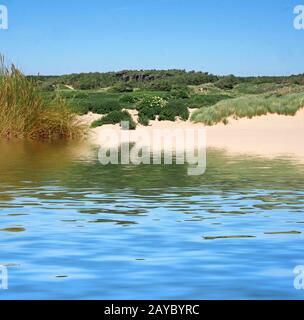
x=154 y=80
x=151 y=80
x=105 y=106
x=180 y=92
x=227 y=83
x=174 y=109
x=169 y=94
x=45 y=107
x=115 y=117
x=128 y=99
x=121 y=88
x=250 y=106
x=25 y=114
x=149 y=108
x=206 y=100
x=152 y=103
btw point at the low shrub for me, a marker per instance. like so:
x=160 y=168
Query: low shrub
x=128 y=98
x=180 y=92
x=143 y=119
x=174 y=109
x=48 y=87
x=79 y=109
x=121 y=87
x=146 y=114
x=106 y=106
x=115 y=117
x=168 y=113
x=151 y=102
x=149 y=108
x=81 y=95
x=206 y=100
x=67 y=94
x=227 y=83
x=159 y=85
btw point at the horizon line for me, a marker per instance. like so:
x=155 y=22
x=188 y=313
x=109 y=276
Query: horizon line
x=171 y=69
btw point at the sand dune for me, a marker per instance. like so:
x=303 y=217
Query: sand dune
x=270 y=135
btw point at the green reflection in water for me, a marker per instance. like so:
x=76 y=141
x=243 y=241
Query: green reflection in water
x=71 y=172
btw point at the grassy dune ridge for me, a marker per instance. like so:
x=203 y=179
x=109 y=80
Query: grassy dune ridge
x=249 y=106
x=216 y=99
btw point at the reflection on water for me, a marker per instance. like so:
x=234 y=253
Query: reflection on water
x=71 y=228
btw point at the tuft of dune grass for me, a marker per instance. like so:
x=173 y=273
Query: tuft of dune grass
x=24 y=113
x=249 y=107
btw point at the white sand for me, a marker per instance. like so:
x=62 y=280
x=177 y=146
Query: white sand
x=270 y=135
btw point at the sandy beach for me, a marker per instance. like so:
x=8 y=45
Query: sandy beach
x=270 y=135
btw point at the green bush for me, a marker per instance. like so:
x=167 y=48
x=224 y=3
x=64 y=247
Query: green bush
x=206 y=100
x=81 y=95
x=180 y=92
x=159 y=85
x=97 y=102
x=174 y=109
x=143 y=119
x=227 y=83
x=168 y=113
x=152 y=102
x=48 y=87
x=146 y=114
x=128 y=98
x=66 y=94
x=106 y=106
x=115 y=117
x=121 y=87
x=182 y=112
x=80 y=109
x=149 y=108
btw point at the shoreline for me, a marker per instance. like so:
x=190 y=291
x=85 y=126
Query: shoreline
x=269 y=135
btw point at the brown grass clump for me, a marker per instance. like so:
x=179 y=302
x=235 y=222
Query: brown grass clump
x=24 y=113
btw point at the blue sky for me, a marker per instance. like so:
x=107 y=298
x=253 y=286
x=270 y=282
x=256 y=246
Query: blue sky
x=243 y=37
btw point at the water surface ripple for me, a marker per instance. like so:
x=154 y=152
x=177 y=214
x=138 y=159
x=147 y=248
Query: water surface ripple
x=73 y=229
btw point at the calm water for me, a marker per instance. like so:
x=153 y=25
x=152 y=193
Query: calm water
x=73 y=229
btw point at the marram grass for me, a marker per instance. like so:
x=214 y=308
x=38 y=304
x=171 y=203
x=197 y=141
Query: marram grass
x=24 y=113
x=248 y=107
